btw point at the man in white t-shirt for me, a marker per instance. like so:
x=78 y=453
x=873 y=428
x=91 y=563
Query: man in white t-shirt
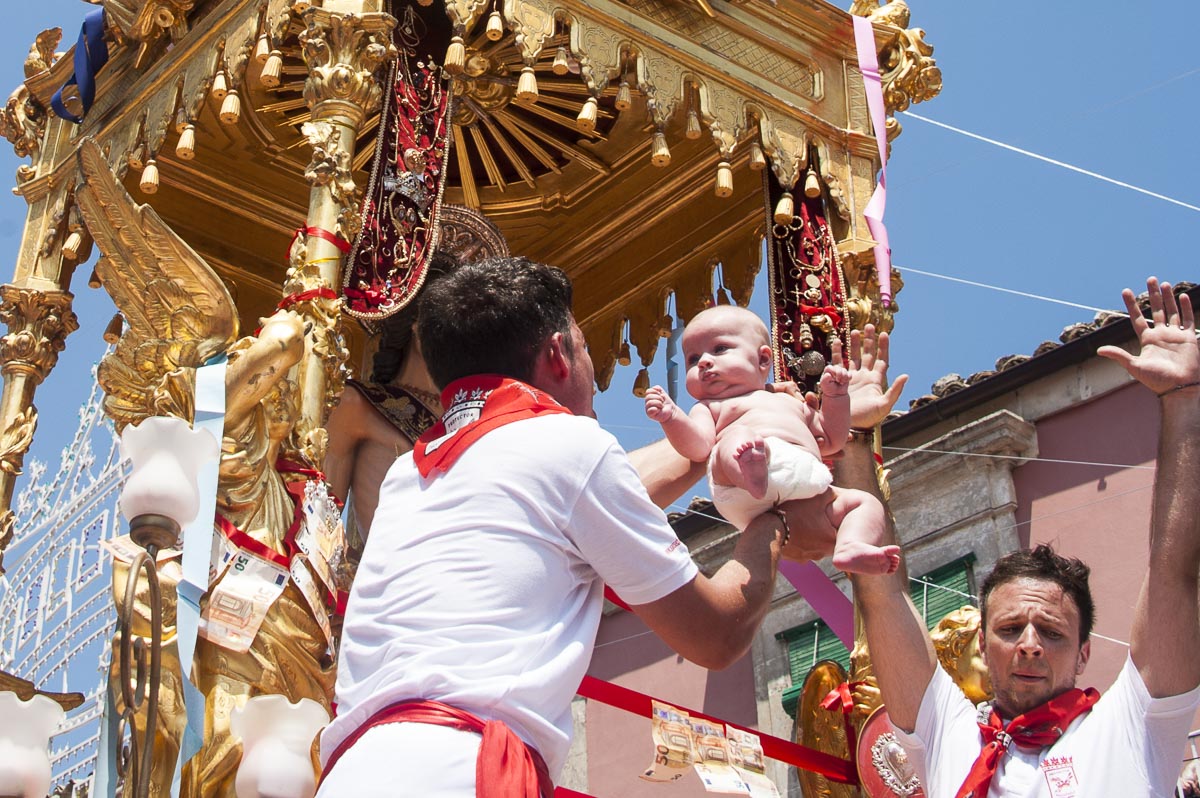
x=1042 y=737
x=474 y=611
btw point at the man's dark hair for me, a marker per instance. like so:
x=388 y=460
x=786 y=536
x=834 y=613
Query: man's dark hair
x=1043 y=564
x=491 y=317
x=396 y=332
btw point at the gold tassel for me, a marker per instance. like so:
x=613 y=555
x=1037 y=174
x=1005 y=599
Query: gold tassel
x=71 y=246
x=527 y=88
x=185 y=150
x=231 y=109
x=785 y=210
x=758 y=160
x=641 y=384
x=149 y=182
x=624 y=99
x=724 y=180
x=693 y=125
x=456 y=56
x=181 y=120
x=137 y=157
x=586 y=121
x=262 y=48
x=812 y=188
x=112 y=333
x=495 y=27
x=723 y=297
x=272 y=70
x=560 y=66
x=220 y=86
x=419 y=2
x=94 y=280
x=623 y=357
x=660 y=154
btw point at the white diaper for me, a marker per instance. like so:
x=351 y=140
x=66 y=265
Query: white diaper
x=793 y=472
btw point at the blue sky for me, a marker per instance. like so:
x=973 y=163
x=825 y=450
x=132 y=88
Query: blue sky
x=1112 y=90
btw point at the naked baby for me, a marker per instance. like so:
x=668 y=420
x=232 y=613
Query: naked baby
x=764 y=447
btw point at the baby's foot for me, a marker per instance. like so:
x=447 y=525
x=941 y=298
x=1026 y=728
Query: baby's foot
x=855 y=557
x=751 y=459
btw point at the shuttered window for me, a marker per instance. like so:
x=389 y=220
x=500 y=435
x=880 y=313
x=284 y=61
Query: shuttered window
x=935 y=594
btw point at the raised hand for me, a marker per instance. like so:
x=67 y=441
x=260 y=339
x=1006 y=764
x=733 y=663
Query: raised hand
x=835 y=380
x=659 y=405
x=1170 y=356
x=871 y=398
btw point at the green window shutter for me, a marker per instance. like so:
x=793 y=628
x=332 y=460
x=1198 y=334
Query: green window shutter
x=807 y=645
x=943 y=590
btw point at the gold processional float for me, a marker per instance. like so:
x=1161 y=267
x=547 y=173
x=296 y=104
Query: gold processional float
x=321 y=151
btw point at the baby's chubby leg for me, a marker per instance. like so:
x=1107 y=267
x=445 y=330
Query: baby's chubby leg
x=861 y=524
x=740 y=460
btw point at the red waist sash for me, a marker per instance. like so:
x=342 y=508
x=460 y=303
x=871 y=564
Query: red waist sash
x=506 y=767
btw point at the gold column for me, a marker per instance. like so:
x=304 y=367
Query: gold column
x=343 y=45
x=38 y=324
x=36 y=306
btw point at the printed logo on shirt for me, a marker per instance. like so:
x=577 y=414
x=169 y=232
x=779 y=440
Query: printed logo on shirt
x=1060 y=776
x=674 y=545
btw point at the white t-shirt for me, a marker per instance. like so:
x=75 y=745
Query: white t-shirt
x=482 y=587
x=1130 y=745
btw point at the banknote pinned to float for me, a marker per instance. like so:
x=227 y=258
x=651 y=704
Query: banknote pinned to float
x=746 y=755
x=714 y=764
x=672 y=735
x=321 y=536
x=239 y=603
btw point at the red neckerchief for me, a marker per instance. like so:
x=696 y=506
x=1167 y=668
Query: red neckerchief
x=475 y=406
x=1037 y=728
x=505 y=768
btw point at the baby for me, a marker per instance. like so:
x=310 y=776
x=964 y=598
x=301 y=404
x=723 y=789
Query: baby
x=763 y=447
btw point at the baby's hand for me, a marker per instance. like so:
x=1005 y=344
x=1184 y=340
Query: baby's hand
x=835 y=381
x=659 y=405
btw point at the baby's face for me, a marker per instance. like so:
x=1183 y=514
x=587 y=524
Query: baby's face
x=725 y=354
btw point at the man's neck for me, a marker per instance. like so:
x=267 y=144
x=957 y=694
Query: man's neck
x=414 y=374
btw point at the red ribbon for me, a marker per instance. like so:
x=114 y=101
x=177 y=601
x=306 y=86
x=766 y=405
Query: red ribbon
x=612 y=596
x=342 y=244
x=304 y=296
x=842 y=697
x=831 y=767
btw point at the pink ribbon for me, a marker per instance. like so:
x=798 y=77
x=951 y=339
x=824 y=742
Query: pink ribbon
x=868 y=64
x=823 y=596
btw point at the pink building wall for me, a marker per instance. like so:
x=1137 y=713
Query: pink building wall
x=1099 y=514
x=619 y=745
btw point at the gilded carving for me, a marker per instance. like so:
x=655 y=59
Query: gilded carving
x=342 y=52
x=8 y=528
x=532 y=25
x=660 y=78
x=42 y=53
x=146 y=22
x=599 y=52
x=38 y=323
x=906 y=66
x=330 y=167
x=785 y=143
x=464 y=13
x=15 y=440
x=178 y=313
x=723 y=111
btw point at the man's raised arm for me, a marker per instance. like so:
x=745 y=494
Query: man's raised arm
x=901 y=652
x=1166 y=630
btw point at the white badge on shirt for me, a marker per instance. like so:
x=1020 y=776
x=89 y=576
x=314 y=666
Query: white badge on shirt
x=1060 y=776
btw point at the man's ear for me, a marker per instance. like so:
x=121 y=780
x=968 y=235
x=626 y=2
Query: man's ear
x=1085 y=651
x=555 y=352
x=982 y=647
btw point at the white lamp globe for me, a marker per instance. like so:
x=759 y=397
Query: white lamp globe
x=25 y=730
x=277 y=737
x=166 y=455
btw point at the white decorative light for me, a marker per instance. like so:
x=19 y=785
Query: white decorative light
x=166 y=455
x=277 y=737
x=25 y=730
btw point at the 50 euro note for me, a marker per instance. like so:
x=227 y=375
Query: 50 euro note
x=239 y=602
x=713 y=761
x=746 y=755
x=672 y=735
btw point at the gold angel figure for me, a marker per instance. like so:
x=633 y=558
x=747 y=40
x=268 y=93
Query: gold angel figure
x=179 y=315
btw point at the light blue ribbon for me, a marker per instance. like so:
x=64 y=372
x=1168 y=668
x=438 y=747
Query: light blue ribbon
x=197 y=554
